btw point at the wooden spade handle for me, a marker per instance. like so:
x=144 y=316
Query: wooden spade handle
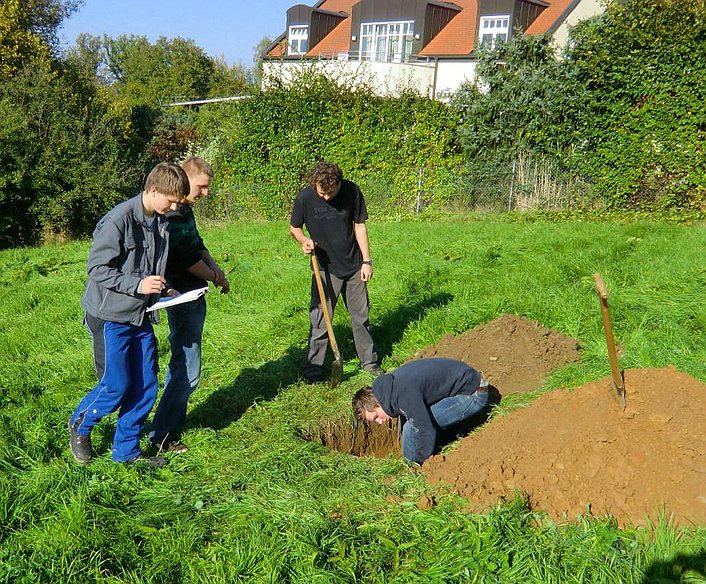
x=618 y=382
x=324 y=304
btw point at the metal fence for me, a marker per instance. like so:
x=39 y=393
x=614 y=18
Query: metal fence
x=524 y=184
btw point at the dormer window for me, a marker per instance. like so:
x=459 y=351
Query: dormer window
x=386 y=42
x=298 y=40
x=493 y=28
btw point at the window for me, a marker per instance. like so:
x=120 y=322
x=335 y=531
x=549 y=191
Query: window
x=386 y=42
x=493 y=28
x=298 y=40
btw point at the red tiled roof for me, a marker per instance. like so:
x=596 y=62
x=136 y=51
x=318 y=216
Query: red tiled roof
x=338 y=40
x=548 y=17
x=456 y=38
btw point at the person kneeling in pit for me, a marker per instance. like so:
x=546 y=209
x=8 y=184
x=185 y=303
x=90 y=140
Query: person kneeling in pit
x=430 y=394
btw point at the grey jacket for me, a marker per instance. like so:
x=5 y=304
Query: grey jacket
x=125 y=250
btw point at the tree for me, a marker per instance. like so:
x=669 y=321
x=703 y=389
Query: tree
x=151 y=74
x=643 y=105
x=520 y=101
x=62 y=162
x=28 y=30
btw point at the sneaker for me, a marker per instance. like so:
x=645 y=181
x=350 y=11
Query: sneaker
x=314 y=377
x=148 y=461
x=80 y=445
x=375 y=370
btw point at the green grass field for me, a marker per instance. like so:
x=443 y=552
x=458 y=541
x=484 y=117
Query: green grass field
x=252 y=501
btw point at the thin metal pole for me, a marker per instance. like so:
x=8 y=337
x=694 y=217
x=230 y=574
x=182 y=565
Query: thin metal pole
x=512 y=186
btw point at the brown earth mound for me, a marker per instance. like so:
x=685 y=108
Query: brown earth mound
x=514 y=353
x=574 y=451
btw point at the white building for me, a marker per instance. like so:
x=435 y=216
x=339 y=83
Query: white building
x=426 y=45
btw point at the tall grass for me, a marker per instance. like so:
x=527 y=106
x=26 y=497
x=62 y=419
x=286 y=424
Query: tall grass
x=253 y=502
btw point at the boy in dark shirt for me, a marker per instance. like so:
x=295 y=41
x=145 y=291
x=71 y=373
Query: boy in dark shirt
x=189 y=266
x=334 y=213
x=430 y=394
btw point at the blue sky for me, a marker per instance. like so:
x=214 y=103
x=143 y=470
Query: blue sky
x=228 y=28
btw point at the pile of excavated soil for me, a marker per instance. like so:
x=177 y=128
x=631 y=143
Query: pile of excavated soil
x=574 y=451
x=515 y=354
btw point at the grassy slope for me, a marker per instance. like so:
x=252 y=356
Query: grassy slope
x=251 y=501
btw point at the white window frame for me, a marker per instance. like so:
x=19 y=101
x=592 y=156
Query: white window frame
x=386 y=42
x=494 y=27
x=298 y=39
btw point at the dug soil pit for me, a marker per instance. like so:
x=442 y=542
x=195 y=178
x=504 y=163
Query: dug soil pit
x=514 y=353
x=571 y=452
x=358 y=439
x=575 y=451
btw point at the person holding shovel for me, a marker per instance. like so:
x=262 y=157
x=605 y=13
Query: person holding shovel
x=430 y=394
x=333 y=211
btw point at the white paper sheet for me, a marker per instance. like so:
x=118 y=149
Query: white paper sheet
x=189 y=296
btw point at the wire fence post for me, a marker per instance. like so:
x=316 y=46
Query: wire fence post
x=419 y=191
x=512 y=186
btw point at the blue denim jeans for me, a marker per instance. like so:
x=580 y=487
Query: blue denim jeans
x=445 y=413
x=129 y=383
x=186 y=323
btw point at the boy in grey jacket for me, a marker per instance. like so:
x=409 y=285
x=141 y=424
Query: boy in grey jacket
x=126 y=267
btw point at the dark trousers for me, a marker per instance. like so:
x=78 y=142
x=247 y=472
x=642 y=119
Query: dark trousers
x=128 y=384
x=95 y=328
x=355 y=297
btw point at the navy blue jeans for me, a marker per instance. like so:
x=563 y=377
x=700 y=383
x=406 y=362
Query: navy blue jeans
x=186 y=323
x=446 y=413
x=129 y=383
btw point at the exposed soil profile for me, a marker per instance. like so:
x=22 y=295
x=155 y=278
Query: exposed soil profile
x=574 y=451
x=571 y=451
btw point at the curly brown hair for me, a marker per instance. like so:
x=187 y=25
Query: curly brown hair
x=326 y=175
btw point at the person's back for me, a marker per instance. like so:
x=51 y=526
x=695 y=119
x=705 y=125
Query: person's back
x=429 y=394
x=126 y=267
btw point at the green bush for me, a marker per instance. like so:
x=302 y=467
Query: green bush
x=643 y=103
x=61 y=165
x=264 y=146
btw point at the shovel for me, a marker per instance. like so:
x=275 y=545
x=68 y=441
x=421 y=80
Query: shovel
x=337 y=367
x=618 y=379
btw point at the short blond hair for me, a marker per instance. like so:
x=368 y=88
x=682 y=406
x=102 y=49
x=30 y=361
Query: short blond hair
x=168 y=179
x=196 y=165
x=364 y=401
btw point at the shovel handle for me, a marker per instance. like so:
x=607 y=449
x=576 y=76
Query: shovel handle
x=600 y=286
x=616 y=373
x=324 y=305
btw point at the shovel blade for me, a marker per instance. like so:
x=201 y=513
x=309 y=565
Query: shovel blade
x=336 y=372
